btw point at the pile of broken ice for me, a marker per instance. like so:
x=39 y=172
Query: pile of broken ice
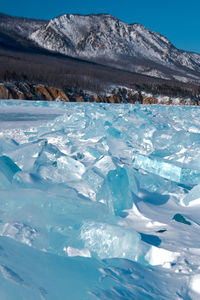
x=106 y=191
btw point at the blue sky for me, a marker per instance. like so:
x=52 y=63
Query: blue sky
x=178 y=20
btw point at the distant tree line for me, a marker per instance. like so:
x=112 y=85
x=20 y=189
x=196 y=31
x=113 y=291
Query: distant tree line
x=75 y=74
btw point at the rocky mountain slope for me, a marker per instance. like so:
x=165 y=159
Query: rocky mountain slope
x=130 y=46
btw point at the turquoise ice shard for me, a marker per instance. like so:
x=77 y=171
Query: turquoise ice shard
x=193 y=197
x=114 y=132
x=64 y=169
x=109 y=241
x=26 y=154
x=93 y=179
x=104 y=165
x=53 y=165
x=8 y=168
x=19 y=232
x=167 y=169
x=116 y=191
x=7 y=145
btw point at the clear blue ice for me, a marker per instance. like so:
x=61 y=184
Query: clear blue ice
x=88 y=195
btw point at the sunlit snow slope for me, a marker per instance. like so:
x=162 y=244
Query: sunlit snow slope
x=99 y=201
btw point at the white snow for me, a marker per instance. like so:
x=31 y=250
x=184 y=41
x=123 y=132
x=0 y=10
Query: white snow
x=158 y=256
x=76 y=252
x=195 y=284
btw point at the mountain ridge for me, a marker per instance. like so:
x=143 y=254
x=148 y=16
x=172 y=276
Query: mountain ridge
x=22 y=59
x=137 y=43
x=13 y=17
x=103 y=36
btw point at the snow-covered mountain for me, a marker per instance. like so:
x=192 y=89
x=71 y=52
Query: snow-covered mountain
x=103 y=38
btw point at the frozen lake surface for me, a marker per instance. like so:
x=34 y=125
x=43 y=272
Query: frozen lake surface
x=99 y=201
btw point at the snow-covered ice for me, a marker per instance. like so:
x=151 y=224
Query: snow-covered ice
x=99 y=201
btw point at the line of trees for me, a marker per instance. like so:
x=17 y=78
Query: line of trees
x=68 y=73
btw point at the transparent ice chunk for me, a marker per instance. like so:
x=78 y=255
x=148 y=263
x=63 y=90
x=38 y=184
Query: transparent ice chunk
x=193 y=197
x=114 y=132
x=4 y=182
x=8 y=168
x=118 y=148
x=7 y=145
x=18 y=231
x=54 y=165
x=93 y=179
x=116 y=191
x=109 y=241
x=28 y=180
x=47 y=156
x=64 y=169
x=26 y=155
x=167 y=170
x=104 y=165
x=94 y=152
